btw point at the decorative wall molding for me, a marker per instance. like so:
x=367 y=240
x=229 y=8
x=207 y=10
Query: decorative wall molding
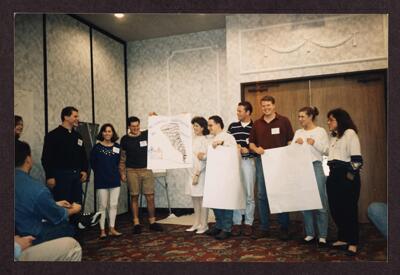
x=343 y=62
x=304 y=42
x=214 y=49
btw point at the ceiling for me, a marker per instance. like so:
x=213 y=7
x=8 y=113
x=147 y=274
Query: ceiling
x=146 y=26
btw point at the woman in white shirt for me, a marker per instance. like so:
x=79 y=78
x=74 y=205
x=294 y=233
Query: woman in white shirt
x=317 y=139
x=223 y=217
x=195 y=182
x=343 y=183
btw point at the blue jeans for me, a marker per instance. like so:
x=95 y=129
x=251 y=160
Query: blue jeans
x=223 y=219
x=321 y=214
x=263 y=206
x=377 y=213
x=248 y=177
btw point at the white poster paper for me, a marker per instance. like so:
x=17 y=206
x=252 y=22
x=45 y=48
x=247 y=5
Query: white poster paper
x=290 y=180
x=170 y=142
x=223 y=188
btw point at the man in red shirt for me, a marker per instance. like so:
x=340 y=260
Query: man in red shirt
x=270 y=131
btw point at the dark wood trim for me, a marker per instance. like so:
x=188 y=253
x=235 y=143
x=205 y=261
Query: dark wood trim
x=46 y=111
x=126 y=84
x=93 y=105
x=91 y=25
x=286 y=80
x=92 y=75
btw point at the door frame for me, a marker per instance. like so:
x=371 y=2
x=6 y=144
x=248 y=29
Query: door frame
x=314 y=77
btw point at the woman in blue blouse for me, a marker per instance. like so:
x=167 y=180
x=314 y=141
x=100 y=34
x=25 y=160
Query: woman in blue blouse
x=104 y=160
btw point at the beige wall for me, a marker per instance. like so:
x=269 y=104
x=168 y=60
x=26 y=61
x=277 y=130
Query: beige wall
x=199 y=73
x=68 y=80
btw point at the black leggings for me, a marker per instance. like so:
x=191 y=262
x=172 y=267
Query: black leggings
x=343 y=194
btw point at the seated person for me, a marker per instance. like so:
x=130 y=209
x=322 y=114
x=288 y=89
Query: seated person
x=36 y=212
x=61 y=249
x=377 y=213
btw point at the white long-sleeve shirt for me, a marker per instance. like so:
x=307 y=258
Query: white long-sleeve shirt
x=321 y=144
x=345 y=147
x=228 y=139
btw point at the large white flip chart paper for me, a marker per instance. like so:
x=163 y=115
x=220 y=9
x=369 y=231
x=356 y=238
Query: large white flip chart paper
x=170 y=142
x=290 y=180
x=223 y=188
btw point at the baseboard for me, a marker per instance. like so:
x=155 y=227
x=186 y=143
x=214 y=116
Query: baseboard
x=164 y=211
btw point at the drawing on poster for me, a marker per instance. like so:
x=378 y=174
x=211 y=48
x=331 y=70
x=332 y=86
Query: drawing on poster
x=170 y=142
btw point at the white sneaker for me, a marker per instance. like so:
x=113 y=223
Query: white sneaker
x=193 y=228
x=202 y=230
x=89 y=219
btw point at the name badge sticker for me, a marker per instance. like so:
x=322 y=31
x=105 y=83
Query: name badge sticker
x=80 y=142
x=143 y=143
x=116 y=150
x=275 y=131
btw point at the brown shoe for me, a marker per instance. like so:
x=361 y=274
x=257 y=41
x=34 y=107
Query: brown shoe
x=236 y=230
x=247 y=230
x=259 y=234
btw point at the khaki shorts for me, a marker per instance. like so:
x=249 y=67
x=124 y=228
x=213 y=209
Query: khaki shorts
x=140 y=177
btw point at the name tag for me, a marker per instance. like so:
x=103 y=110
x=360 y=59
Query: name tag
x=143 y=143
x=116 y=150
x=80 y=142
x=247 y=140
x=275 y=131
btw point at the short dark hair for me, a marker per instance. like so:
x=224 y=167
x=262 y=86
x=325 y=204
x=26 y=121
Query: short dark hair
x=247 y=106
x=344 y=121
x=203 y=124
x=17 y=120
x=22 y=151
x=217 y=120
x=268 y=98
x=310 y=111
x=100 y=137
x=67 y=111
x=132 y=119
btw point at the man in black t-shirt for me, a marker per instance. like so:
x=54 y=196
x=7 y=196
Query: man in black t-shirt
x=64 y=159
x=133 y=170
x=65 y=163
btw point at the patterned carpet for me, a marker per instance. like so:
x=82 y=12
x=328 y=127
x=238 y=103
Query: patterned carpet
x=176 y=245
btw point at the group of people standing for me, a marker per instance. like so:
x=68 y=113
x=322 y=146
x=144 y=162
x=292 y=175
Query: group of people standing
x=339 y=192
x=49 y=215
x=66 y=166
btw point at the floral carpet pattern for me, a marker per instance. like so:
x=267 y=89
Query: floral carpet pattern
x=176 y=245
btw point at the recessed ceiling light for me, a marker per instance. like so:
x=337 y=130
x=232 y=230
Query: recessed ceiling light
x=119 y=15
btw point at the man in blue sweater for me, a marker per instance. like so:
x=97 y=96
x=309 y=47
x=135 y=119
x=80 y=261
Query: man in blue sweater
x=36 y=212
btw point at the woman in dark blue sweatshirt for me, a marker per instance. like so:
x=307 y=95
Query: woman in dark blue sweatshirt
x=104 y=160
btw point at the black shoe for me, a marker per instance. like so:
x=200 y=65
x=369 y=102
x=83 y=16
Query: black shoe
x=137 y=229
x=284 y=234
x=213 y=231
x=312 y=241
x=223 y=235
x=322 y=244
x=88 y=219
x=260 y=234
x=236 y=230
x=155 y=227
x=340 y=247
x=351 y=253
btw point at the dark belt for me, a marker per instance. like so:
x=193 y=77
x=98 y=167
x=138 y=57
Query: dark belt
x=339 y=164
x=69 y=171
